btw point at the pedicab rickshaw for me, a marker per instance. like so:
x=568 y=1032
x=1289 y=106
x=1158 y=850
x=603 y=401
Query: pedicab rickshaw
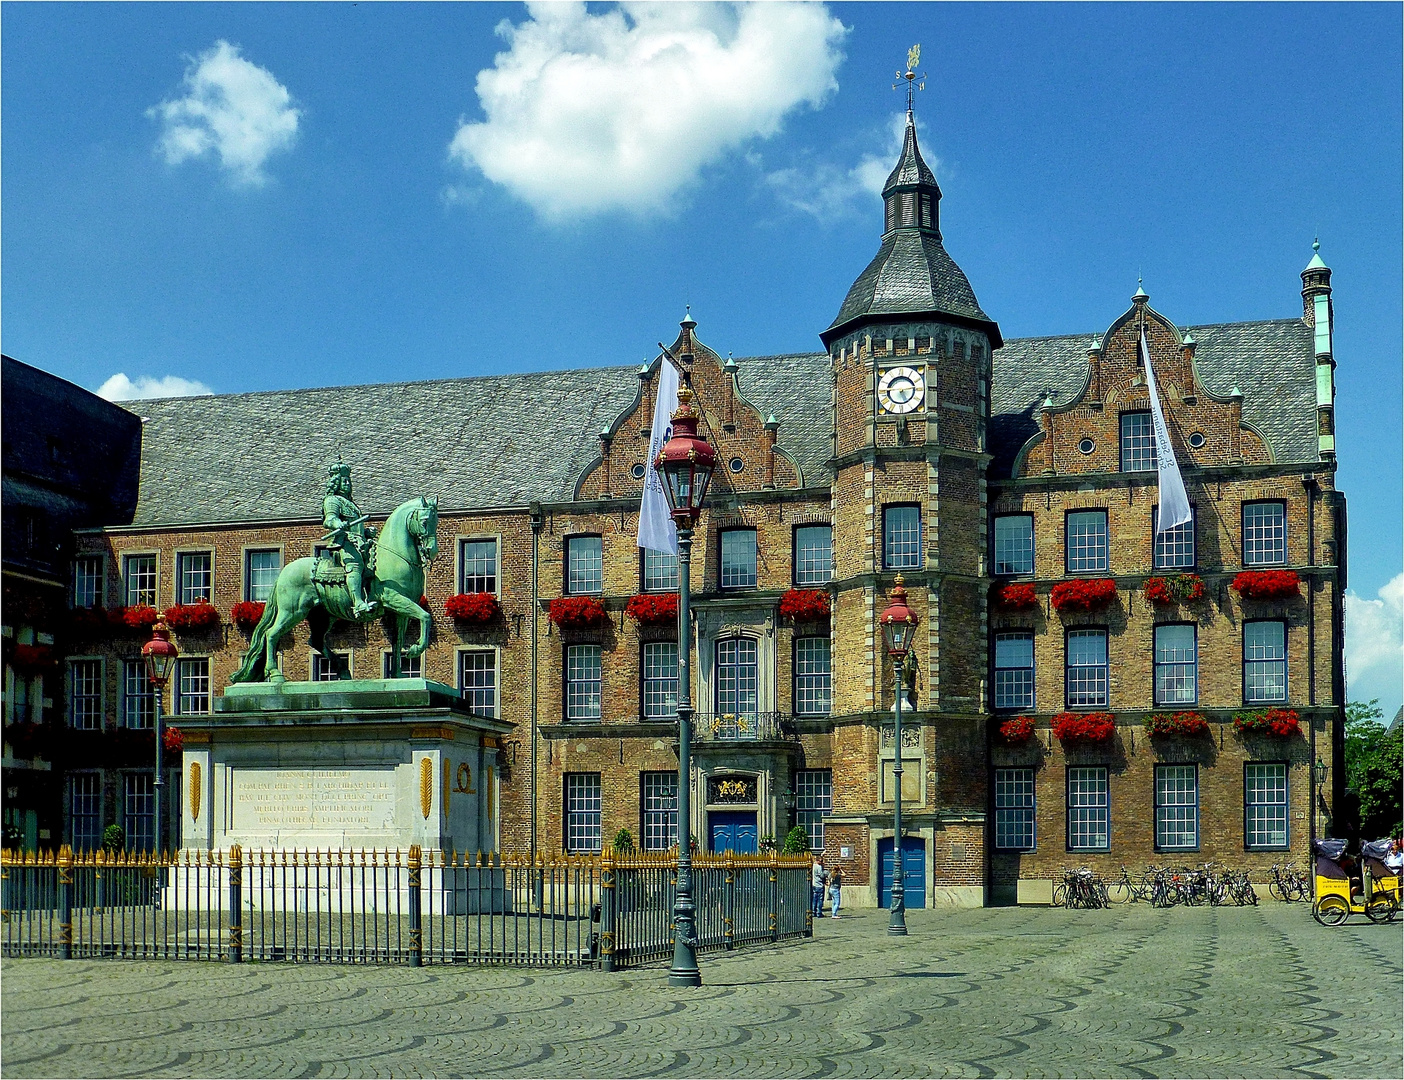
x=1346 y=885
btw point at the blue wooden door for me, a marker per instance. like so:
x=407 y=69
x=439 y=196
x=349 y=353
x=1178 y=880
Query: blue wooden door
x=914 y=871
x=733 y=830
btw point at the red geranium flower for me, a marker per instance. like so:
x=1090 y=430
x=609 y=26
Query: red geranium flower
x=478 y=607
x=1282 y=722
x=1083 y=594
x=653 y=607
x=577 y=611
x=802 y=605
x=1180 y=589
x=32 y=657
x=137 y=617
x=246 y=614
x=192 y=618
x=173 y=740
x=1267 y=584
x=1084 y=727
x=1018 y=730
x=1016 y=595
x=1180 y=723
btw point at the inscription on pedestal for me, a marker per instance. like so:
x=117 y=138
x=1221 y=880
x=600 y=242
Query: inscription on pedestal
x=313 y=800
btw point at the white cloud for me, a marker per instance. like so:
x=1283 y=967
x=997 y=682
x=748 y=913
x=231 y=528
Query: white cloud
x=589 y=113
x=232 y=108
x=121 y=388
x=827 y=191
x=1375 y=644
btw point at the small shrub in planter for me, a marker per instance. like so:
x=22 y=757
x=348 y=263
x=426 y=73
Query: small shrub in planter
x=1017 y=731
x=192 y=618
x=803 y=605
x=1267 y=584
x=796 y=841
x=136 y=617
x=1179 y=589
x=246 y=614
x=1083 y=594
x=653 y=608
x=623 y=841
x=114 y=839
x=478 y=607
x=1084 y=727
x=1281 y=722
x=569 y=612
x=1180 y=723
x=1016 y=596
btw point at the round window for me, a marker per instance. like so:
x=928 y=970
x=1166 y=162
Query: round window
x=638 y=471
x=1196 y=439
x=1087 y=446
x=736 y=464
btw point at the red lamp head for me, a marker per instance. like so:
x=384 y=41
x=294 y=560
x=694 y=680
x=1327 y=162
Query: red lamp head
x=160 y=654
x=899 y=622
x=686 y=463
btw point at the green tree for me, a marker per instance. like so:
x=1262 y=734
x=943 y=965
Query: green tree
x=796 y=841
x=1374 y=768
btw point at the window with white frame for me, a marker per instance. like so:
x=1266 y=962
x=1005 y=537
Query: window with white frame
x=660 y=571
x=814 y=799
x=659 y=794
x=1174 y=548
x=1086 y=676
x=1014 y=669
x=813 y=676
x=194 y=577
x=193 y=685
x=901 y=537
x=139 y=580
x=85 y=811
x=584 y=565
x=1137 y=442
x=660 y=680
x=582 y=683
x=1013 y=544
x=87 y=581
x=477 y=679
x=477 y=566
x=261 y=569
x=1265 y=805
x=138 y=702
x=582 y=812
x=1264 y=533
x=738 y=677
x=1176 y=808
x=1176 y=665
x=1087 y=541
x=738 y=558
x=1264 y=661
x=85 y=694
x=139 y=810
x=1014 y=809
x=814 y=555
x=328 y=667
x=1089 y=811
x=411 y=667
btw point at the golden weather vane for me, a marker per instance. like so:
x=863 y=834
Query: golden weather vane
x=910 y=76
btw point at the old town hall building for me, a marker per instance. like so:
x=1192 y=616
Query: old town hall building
x=1083 y=692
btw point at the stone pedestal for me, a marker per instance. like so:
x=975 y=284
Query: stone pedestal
x=373 y=764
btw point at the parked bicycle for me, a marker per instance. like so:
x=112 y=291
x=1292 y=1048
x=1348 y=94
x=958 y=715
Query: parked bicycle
x=1288 y=883
x=1080 y=888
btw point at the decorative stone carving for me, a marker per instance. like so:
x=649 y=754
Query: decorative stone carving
x=911 y=736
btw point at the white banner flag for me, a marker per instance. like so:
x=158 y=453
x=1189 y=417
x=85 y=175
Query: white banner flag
x=656 y=529
x=1174 y=503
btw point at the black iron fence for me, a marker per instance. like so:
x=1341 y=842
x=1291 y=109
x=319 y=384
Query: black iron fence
x=410 y=907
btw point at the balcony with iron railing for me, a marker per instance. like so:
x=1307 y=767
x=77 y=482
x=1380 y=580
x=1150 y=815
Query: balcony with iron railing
x=721 y=727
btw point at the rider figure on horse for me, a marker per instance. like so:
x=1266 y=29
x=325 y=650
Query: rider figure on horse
x=350 y=536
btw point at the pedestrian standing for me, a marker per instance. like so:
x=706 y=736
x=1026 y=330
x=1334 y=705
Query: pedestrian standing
x=817 y=876
x=835 y=890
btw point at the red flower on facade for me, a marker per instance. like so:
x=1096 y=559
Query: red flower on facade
x=246 y=614
x=577 y=611
x=477 y=607
x=192 y=618
x=1017 y=731
x=1084 y=727
x=652 y=607
x=136 y=617
x=32 y=657
x=803 y=605
x=1180 y=723
x=1083 y=594
x=173 y=740
x=1267 y=584
x=1179 y=589
x=94 y=620
x=1282 y=722
x=1016 y=596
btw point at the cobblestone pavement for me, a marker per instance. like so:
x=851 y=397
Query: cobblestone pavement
x=1010 y=992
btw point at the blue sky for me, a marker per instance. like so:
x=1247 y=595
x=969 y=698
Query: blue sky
x=349 y=193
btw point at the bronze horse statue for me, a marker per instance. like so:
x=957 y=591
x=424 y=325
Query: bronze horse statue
x=408 y=541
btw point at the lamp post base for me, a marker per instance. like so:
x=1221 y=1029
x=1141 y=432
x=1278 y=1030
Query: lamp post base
x=685 y=978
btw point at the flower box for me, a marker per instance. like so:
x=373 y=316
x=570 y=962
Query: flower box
x=1017 y=731
x=29 y=740
x=478 y=607
x=32 y=657
x=192 y=618
x=803 y=605
x=136 y=617
x=246 y=614
x=1180 y=723
x=1267 y=584
x=1083 y=594
x=572 y=612
x=94 y=620
x=1016 y=596
x=653 y=608
x=1179 y=589
x=1281 y=722
x=1084 y=727
x=173 y=739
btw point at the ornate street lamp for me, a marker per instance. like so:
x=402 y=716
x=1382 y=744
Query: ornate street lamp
x=685 y=463
x=899 y=624
x=160 y=655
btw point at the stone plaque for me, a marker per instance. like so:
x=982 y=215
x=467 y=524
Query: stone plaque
x=360 y=800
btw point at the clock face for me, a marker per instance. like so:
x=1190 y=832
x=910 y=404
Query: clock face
x=900 y=390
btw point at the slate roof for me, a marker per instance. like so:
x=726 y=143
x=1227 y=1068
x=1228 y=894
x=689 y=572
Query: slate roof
x=505 y=440
x=911 y=167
